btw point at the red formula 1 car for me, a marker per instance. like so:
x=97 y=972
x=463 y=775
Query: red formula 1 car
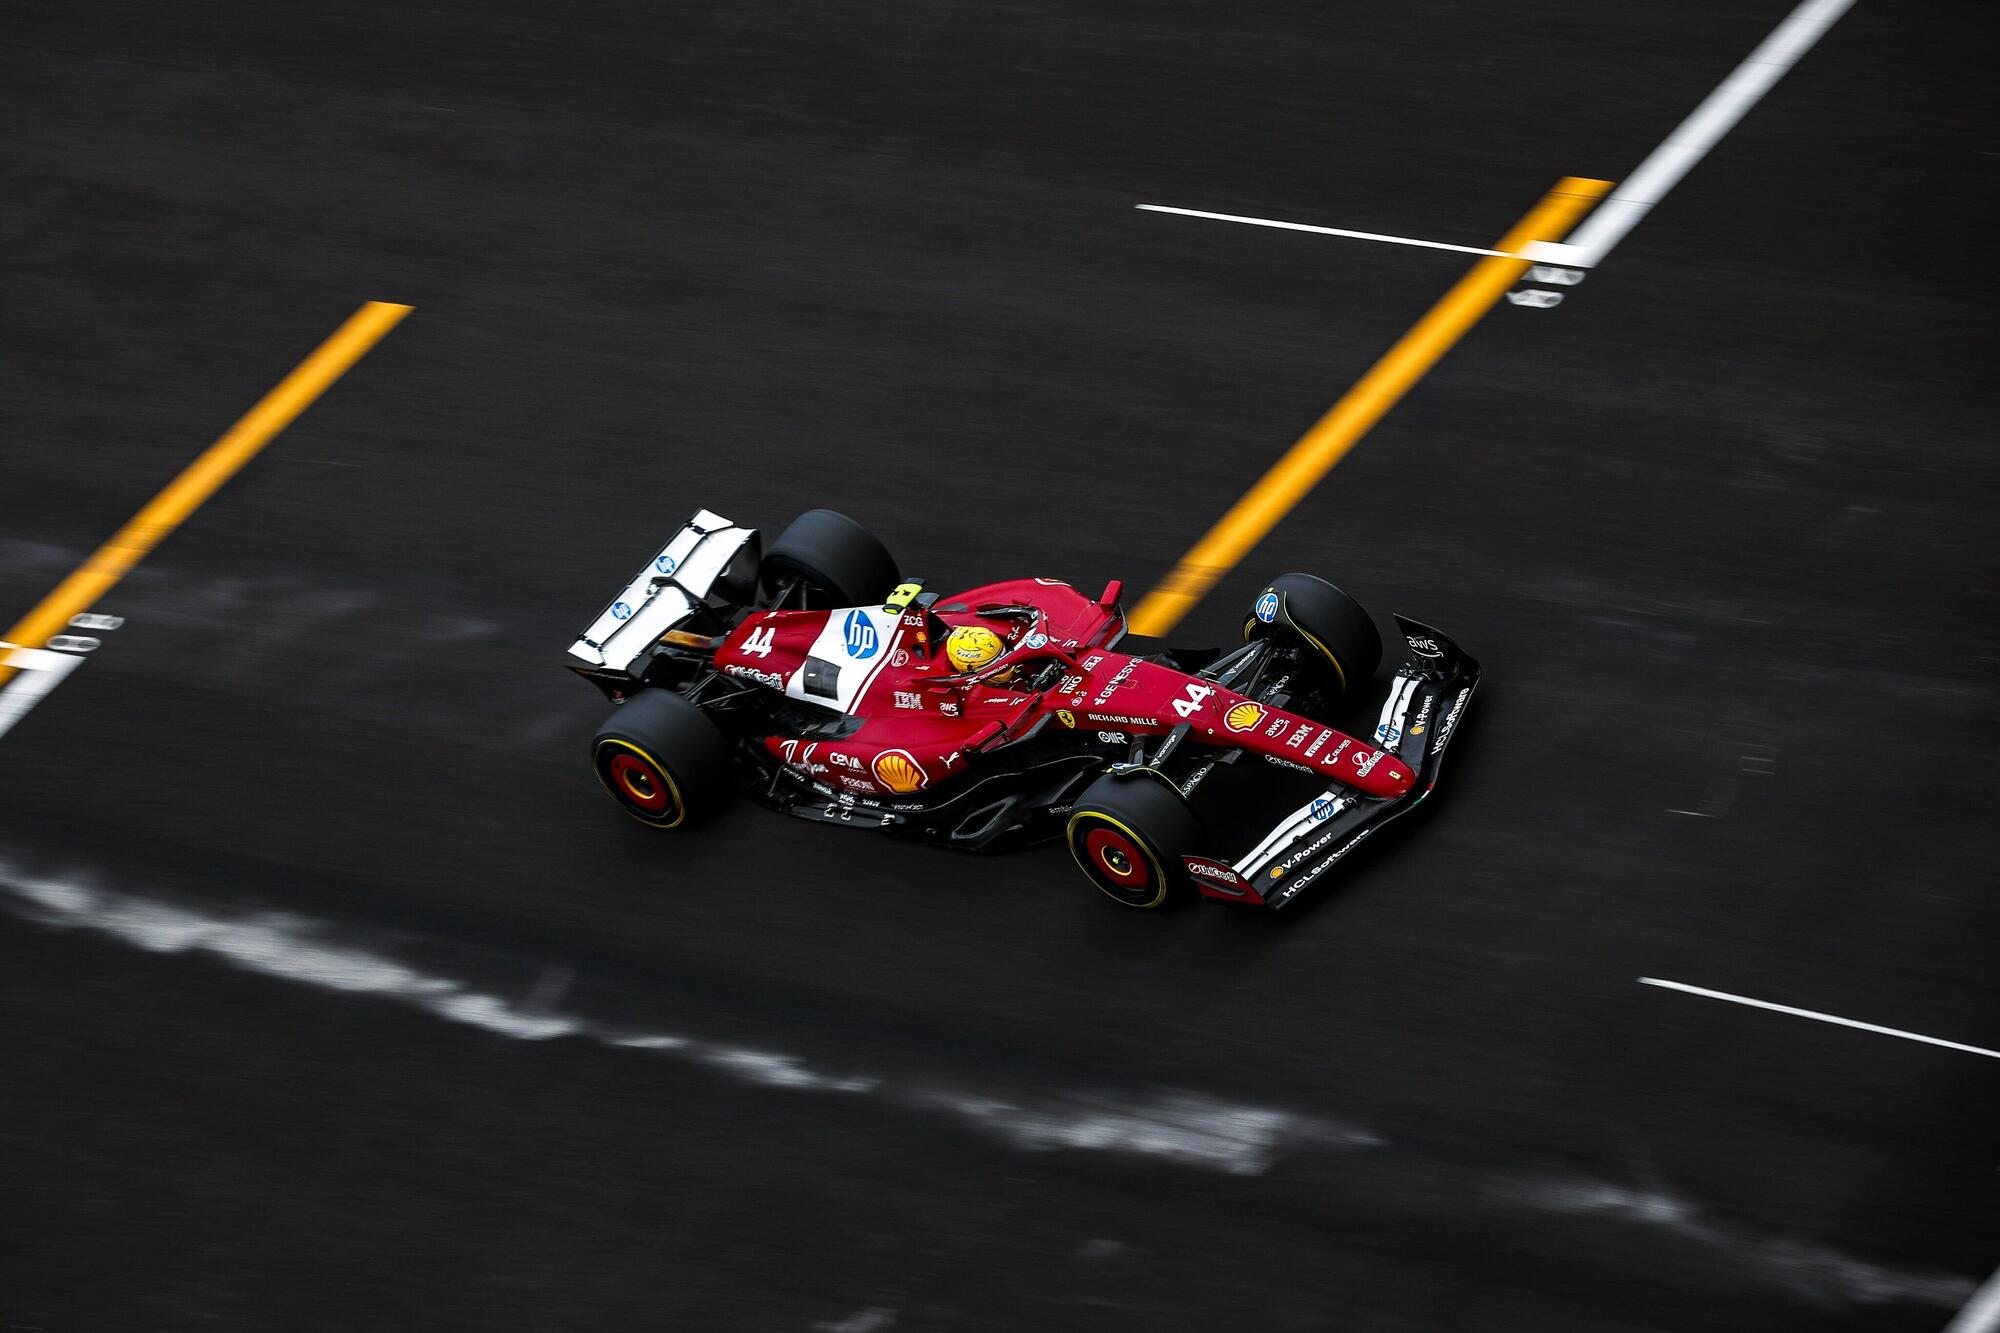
x=815 y=678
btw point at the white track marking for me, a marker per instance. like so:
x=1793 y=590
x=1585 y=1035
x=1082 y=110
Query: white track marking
x=1823 y=1018
x=1690 y=142
x=1982 y=1313
x=41 y=670
x=1186 y=1128
x=1323 y=231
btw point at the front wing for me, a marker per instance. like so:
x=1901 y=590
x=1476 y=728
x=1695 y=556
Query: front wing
x=1424 y=706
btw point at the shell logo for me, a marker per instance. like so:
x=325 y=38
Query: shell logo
x=899 y=772
x=1243 y=717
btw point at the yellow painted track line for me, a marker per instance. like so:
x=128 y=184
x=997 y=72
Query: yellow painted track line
x=1289 y=480
x=203 y=477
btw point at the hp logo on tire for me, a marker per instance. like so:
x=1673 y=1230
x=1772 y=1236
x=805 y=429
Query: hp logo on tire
x=861 y=640
x=1267 y=607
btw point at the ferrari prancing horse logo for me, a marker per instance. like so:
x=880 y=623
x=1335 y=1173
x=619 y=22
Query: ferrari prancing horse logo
x=1067 y=718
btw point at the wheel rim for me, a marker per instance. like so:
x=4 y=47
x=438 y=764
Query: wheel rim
x=1117 y=861
x=639 y=783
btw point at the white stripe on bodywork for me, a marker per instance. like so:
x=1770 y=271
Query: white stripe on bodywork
x=1389 y=726
x=856 y=673
x=1289 y=830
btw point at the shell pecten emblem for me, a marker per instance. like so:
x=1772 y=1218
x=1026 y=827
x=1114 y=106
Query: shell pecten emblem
x=1243 y=716
x=899 y=771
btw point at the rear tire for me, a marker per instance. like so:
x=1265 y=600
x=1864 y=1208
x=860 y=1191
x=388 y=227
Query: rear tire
x=840 y=562
x=662 y=760
x=1128 y=832
x=1335 y=633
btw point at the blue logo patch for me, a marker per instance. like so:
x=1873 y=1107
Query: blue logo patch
x=860 y=630
x=620 y=611
x=1322 y=807
x=1035 y=641
x=666 y=564
x=1267 y=607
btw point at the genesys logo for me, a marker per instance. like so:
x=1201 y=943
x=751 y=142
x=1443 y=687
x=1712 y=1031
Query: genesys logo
x=1267 y=606
x=858 y=635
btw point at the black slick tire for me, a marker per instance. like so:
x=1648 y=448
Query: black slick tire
x=840 y=562
x=1336 y=634
x=1127 y=833
x=662 y=760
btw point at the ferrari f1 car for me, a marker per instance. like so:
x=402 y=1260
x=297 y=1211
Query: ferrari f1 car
x=815 y=678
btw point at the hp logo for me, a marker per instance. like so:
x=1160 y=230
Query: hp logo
x=1267 y=607
x=1322 y=807
x=860 y=630
x=666 y=564
x=620 y=611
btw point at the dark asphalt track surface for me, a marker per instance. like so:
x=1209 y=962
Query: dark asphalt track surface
x=1734 y=497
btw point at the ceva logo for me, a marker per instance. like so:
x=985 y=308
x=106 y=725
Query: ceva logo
x=1267 y=607
x=861 y=639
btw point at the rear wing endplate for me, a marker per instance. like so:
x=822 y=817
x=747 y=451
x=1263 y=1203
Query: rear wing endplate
x=664 y=592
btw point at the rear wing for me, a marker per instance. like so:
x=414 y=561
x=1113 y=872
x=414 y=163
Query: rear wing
x=700 y=558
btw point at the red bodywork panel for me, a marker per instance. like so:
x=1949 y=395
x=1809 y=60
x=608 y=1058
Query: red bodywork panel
x=922 y=722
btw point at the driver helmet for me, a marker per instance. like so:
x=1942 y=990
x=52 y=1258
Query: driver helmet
x=970 y=647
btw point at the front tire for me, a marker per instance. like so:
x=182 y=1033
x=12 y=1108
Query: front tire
x=662 y=760
x=1127 y=833
x=1332 y=631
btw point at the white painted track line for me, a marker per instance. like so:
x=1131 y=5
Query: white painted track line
x=41 y=670
x=1323 y=231
x=1824 y=1018
x=1982 y=1313
x=1690 y=142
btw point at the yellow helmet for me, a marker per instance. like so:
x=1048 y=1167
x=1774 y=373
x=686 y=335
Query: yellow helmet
x=970 y=647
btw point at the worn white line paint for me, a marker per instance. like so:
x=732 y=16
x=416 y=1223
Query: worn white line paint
x=1323 y=231
x=1187 y=1128
x=1982 y=1313
x=40 y=671
x=1690 y=142
x=1823 y=1018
